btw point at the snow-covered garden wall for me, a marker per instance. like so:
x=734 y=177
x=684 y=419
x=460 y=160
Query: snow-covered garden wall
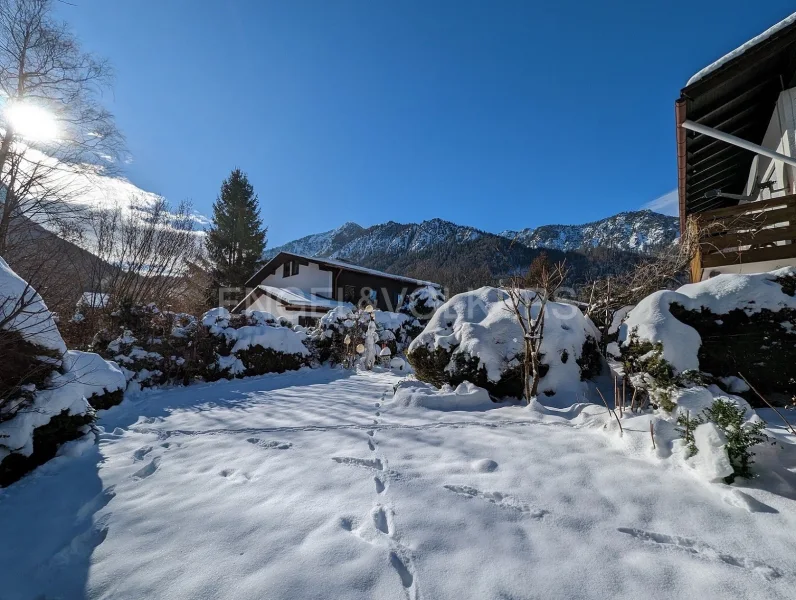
x=712 y=331
x=47 y=395
x=475 y=337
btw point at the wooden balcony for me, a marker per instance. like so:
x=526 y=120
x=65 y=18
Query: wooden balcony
x=746 y=233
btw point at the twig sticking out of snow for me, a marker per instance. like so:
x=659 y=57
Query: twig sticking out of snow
x=781 y=416
x=652 y=434
x=613 y=412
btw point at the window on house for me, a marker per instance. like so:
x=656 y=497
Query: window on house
x=307 y=321
x=290 y=268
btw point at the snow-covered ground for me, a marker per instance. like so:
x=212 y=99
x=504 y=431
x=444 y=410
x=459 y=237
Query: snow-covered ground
x=315 y=484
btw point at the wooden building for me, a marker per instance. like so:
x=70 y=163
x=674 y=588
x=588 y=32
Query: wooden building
x=303 y=288
x=736 y=157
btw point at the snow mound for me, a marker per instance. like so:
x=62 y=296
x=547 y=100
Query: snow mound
x=279 y=339
x=480 y=325
x=711 y=460
x=33 y=321
x=651 y=320
x=416 y=394
x=264 y=333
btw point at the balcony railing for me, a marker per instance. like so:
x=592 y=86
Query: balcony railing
x=746 y=233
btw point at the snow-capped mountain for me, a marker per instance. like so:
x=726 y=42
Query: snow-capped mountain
x=638 y=231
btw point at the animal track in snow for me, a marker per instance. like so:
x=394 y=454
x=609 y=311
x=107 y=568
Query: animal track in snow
x=371 y=446
x=497 y=498
x=226 y=472
x=380 y=520
x=379 y=485
x=141 y=453
x=147 y=470
x=370 y=432
x=272 y=445
x=378 y=404
x=703 y=550
x=368 y=463
x=378 y=414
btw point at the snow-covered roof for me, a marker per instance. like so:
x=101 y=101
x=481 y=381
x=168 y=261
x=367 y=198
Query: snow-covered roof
x=297 y=297
x=94 y=300
x=743 y=48
x=352 y=267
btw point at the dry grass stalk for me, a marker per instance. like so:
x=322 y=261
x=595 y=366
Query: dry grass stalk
x=621 y=429
x=781 y=416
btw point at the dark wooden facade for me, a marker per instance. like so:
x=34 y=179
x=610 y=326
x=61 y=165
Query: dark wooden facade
x=738 y=98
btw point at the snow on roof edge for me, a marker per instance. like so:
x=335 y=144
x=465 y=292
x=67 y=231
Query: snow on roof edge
x=742 y=49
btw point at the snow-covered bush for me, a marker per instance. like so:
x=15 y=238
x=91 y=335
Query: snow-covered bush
x=394 y=330
x=711 y=331
x=475 y=337
x=46 y=393
x=423 y=302
x=178 y=348
x=724 y=437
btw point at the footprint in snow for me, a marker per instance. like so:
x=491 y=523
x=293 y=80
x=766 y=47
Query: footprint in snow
x=141 y=453
x=379 y=485
x=407 y=579
x=498 y=498
x=380 y=520
x=147 y=470
x=368 y=463
x=271 y=445
x=703 y=550
x=371 y=446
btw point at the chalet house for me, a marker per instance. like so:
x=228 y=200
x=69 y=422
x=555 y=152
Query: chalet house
x=302 y=289
x=736 y=157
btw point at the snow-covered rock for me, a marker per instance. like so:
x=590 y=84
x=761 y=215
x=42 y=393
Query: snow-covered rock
x=476 y=337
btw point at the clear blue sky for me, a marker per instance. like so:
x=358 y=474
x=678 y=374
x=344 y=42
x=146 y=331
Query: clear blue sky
x=503 y=114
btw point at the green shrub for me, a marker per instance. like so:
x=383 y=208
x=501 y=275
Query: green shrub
x=741 y=436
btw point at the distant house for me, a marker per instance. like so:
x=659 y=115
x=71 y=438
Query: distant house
x=736 y=157
x=303 y=288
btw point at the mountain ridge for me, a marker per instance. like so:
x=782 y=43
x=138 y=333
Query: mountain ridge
x=634 y=231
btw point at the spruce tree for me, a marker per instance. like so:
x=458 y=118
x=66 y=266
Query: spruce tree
x=236 y=239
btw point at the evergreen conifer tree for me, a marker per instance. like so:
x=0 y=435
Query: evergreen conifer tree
x=236 y=239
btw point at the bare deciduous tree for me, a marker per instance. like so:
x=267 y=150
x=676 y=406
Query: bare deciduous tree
x=528 y=296
x=45 y=77
x=664 y=270
x=145 y=249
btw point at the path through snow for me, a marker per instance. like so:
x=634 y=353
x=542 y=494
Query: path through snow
x=310 y=485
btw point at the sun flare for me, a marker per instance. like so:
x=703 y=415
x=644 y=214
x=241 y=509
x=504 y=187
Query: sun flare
x=32 y=122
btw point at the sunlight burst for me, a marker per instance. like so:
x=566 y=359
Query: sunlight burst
x=32 y=122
